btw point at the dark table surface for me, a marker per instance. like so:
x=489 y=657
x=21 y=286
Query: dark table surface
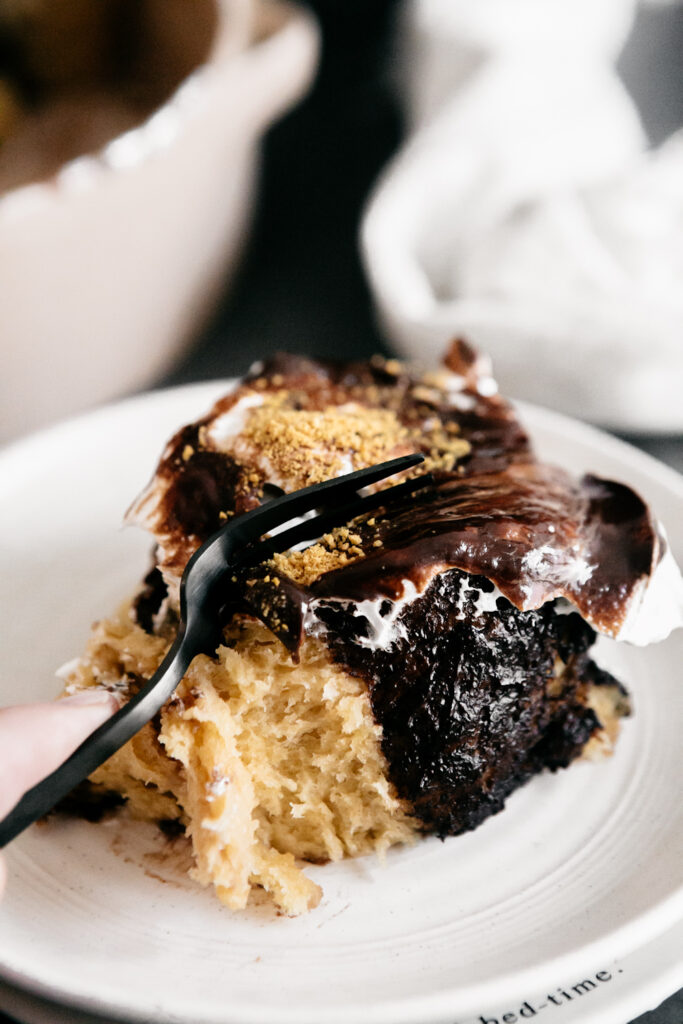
x=301 y=286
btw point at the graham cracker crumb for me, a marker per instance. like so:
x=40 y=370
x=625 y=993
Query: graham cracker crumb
x=338 y=548
x=308 y=446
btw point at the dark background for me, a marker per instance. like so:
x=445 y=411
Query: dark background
x=301 y=286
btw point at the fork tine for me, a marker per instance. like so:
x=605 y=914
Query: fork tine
x=324 y=521
x=252 y=525
x=229 y=545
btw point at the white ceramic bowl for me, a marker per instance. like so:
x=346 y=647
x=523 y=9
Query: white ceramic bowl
x=108 y=268
x=525 y=212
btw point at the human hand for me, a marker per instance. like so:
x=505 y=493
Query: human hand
x=36 y=738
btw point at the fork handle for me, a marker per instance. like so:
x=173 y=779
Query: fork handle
x=102 y=743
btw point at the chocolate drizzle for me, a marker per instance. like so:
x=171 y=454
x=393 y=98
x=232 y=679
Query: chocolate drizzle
x=532 y=530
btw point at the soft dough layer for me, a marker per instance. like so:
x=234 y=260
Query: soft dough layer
x=263 y=760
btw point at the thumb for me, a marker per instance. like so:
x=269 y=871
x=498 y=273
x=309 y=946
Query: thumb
x=36 y=738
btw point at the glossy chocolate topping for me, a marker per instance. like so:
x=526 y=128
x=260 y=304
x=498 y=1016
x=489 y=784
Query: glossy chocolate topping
x=493 y=511
x=533 y=531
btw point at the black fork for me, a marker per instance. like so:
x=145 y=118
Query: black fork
x=235 y=546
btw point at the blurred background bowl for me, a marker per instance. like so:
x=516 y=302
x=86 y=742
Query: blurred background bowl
x=111 y=263
x=528 y=210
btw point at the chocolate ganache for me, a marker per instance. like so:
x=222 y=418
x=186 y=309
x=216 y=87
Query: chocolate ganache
x=493 y=510
x=451 y=605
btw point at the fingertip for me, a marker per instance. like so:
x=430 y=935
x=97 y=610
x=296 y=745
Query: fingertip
x=36 y=738
x=101 y=700
x=85 y=711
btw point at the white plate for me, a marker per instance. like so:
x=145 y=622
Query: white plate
x=582 y=867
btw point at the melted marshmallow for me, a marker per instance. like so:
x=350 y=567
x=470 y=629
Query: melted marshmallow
x=656 y=608
x=383 y=615
x=227 y=426
x=380 y=613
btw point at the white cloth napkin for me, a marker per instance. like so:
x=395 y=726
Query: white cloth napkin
x=526 y=214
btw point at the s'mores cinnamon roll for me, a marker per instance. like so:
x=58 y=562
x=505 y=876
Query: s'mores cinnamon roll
x=404 y=674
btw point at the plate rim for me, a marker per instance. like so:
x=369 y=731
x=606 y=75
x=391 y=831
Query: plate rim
x=644 y=997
